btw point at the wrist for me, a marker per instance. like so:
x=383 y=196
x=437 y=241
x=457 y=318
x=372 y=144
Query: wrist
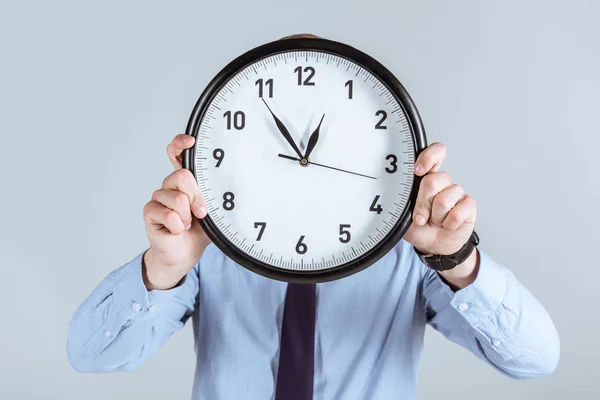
x=159 y=276
x=444 y=262
x=464 y=273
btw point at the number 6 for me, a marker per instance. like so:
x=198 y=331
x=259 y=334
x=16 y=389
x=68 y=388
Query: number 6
x=301 y=248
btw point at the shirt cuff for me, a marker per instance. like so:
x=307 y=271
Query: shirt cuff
x=486 y=293
x=482 y=306
x=129 y=302
x=134 y=300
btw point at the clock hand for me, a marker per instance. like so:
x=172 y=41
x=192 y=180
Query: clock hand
x=284 y=131
x=321 y=165
x=312 y=141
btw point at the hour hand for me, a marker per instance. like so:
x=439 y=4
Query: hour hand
x=284 y=131
x=312 y=141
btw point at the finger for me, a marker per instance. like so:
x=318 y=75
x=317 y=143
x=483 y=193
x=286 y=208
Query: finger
x=176 y=147
x=182 y=180
x=443 y=202
x=430 y=159
x=430 y=186
x=158 y=217
x=176 y=201
x=464 y=212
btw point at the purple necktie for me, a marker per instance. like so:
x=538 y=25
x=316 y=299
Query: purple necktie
x=296 y=357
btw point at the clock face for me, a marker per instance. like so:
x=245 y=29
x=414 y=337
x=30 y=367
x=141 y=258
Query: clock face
x=286 y=211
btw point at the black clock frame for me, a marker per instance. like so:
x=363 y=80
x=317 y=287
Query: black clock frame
x=395 y=88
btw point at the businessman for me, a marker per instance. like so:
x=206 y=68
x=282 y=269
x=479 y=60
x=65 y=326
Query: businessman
x=359 y=337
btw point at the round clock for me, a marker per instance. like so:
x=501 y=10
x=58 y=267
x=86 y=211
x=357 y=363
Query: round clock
x=304 y=155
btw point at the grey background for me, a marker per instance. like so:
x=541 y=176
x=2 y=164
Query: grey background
x=92 y=92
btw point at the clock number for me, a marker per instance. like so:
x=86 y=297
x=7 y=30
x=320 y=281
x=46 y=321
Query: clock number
x=307 y=81
x=376 y=207
x=345 y=233
x=262 y=226
x=228 y=203
x=218 y=154
x=383 y=117
x=239 y=120
x=349 y=85
x=393 y=166
x=268 y=83
x=301 y=247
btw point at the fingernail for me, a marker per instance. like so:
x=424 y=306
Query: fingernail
x=203 y=211
x=418 y=169
x=187 y=228
x=420 y=220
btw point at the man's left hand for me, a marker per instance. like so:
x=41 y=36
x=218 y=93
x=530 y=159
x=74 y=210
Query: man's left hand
x=444 y=215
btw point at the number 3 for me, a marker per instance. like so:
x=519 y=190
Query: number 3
x=393 y=166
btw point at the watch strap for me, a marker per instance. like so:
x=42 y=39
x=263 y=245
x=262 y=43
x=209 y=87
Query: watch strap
x=440 y=262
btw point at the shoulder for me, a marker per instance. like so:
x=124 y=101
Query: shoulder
x=404 y=256
x=212 y=256
x=401 y=262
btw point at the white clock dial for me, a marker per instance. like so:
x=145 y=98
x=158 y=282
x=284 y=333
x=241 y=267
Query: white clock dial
x=314 y=217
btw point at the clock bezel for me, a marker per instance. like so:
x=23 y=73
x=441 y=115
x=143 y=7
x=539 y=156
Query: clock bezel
x=396 y=89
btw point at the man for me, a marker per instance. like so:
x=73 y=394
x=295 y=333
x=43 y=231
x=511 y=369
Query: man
x=367 y=330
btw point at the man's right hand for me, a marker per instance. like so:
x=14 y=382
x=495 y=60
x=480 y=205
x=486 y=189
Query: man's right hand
x=176 y=238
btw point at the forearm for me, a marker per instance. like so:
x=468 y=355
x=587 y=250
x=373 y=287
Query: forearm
x=498 y=319
x=121 y=323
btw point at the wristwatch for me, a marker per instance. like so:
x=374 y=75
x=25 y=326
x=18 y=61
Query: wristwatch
x=439 y=262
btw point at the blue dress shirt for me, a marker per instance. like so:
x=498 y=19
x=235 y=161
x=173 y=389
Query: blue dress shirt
x=369 y=326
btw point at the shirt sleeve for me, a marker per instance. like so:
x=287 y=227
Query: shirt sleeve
x=496 y=318
x=121 y=323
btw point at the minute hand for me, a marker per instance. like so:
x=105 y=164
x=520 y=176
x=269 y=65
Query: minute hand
x=326 y=166
x=284 y=131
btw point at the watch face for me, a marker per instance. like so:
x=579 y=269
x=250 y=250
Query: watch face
x=304 y=155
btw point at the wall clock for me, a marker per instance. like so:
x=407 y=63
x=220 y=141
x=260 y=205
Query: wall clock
x=304 y=155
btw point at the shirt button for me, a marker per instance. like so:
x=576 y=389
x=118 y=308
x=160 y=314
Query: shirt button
x=137 y=307
x=107 y=333
x=497 y=343
x=463 y=307
x=152 y=308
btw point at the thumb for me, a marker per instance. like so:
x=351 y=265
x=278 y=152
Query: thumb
x=421 y=212
x=199 y=233
x=417 y=235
